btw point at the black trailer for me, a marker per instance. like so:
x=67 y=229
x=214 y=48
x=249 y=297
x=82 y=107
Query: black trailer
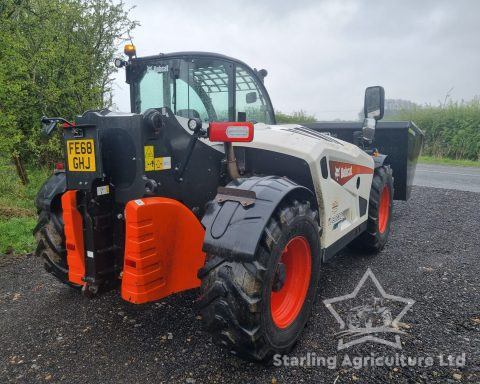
x=401 y=141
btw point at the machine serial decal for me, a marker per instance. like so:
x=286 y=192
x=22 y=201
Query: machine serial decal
x=337 y=219
x=343 y=172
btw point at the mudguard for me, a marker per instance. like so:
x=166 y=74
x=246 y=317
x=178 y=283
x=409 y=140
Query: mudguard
x=233 y=230
x=55 y=185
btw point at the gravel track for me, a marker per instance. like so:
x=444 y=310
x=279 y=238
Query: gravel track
x=50 y=333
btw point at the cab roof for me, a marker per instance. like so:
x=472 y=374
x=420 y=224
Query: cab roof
x=189 y=54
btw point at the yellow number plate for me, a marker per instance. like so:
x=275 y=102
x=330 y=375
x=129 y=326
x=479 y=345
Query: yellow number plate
x=81 y=155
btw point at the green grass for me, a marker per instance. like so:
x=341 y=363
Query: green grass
x=446 y=161
x=17 y=207
x=16 y=235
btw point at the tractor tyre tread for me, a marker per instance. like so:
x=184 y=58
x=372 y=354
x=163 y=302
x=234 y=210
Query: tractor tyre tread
x=372 y=240
x=51 y=245
x=230 y=300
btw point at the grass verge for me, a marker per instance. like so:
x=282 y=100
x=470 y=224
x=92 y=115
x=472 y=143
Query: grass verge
x=445 y=161
x=17 y=208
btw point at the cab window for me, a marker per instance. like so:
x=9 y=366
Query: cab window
x=207 y=88
x=151 y=90
x=212 y=79
x=249 y=98
x=188 y=103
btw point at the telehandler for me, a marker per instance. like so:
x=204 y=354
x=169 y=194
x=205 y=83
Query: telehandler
x=199 y=187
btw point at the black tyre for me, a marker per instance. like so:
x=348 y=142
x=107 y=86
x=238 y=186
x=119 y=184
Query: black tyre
x=379 y=212
x=50 y=238
x=257 y=309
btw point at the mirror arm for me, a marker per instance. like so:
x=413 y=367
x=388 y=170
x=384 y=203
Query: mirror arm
x=50 y=123
x=368 y=130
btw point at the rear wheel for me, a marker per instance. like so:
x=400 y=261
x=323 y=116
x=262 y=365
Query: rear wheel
x=379 y=212
x=257 y=309
x=51 y=242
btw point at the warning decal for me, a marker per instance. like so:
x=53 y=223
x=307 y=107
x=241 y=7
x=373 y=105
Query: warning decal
x=153 y=163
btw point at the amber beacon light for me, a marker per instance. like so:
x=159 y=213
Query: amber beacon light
x=130 y=50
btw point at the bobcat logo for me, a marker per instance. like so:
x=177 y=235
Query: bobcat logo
x=337 y=172
x=343 y=172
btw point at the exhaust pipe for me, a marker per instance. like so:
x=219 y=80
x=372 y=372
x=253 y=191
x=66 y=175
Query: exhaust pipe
x=231 y=162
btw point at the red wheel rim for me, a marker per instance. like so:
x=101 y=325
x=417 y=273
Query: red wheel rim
x=286 y=303
x=384 y=209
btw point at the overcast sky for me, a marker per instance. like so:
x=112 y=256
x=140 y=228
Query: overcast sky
x=320 y=55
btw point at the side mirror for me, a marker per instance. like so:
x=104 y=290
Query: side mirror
x=251 y=97
x=48 y=126
x=374 y=102
x=50 y=123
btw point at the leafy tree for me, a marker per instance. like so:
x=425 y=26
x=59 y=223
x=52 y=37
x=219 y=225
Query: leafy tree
x=56 y=60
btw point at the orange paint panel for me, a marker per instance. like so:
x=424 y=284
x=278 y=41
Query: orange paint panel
x=163 y=249
x=73 y=225
x=343 y=172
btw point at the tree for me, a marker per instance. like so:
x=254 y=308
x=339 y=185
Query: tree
x=56 y=60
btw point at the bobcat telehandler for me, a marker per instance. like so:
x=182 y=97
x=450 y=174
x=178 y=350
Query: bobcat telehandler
x=199 y=187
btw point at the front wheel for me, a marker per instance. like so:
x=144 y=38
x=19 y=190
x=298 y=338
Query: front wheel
x=257 y=309
x=379 y=212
